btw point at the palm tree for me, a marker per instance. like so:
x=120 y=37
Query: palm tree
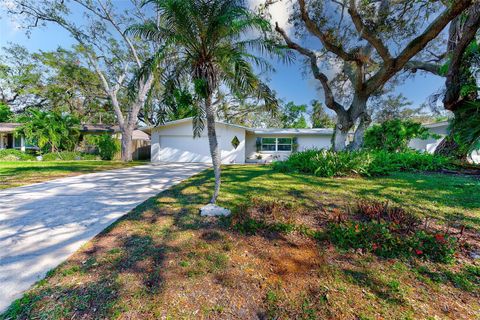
x=212 y=47
x=50 y=130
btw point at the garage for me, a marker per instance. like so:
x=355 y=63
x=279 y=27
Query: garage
x=174 y=142
x=183 y=149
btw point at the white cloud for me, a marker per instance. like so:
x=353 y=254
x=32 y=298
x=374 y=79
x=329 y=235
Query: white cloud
x=279 y=11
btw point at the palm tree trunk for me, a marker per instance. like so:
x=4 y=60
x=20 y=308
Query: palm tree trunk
x=214 y=151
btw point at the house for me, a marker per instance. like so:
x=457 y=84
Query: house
x=140 y=140
x=10 y=141
x=174 y=142
x=429 y=145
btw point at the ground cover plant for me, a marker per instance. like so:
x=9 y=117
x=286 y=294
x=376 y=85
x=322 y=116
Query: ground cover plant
x=15 y=155
x=19 y=173
x=324 y=163
x=273 y=258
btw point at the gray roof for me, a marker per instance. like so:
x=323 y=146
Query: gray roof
x=8 y=127
x=436 y=124
x=314 y=131
x=98 y=128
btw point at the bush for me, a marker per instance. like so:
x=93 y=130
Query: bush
x=394 y=135
x=379 y=239
x=15 y=155
x=399 y=218
x=68 y=156
x=324 y=163
x=107 y=146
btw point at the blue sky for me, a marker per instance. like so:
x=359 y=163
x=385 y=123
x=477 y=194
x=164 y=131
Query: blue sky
x=288 y=80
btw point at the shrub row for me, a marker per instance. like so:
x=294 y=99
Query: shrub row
x=17 y=155
x=68 y=156
x=325 y=163
x=371 y=227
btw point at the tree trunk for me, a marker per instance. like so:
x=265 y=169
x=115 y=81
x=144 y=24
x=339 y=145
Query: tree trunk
x=449 y=148
x=340 y=138
x=359 y=135
x=127 y=143
x=214 y=151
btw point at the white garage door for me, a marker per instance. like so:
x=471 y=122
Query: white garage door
x=184 y=149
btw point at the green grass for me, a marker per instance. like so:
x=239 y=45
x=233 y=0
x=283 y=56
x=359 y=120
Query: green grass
x=163 y=260
x=18 y=173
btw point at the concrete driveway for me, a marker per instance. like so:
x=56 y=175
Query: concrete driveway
x=41 y=225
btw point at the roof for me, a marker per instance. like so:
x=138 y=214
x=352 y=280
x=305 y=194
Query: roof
x=8 y=127
x=316 y=131
x=436 y=124
x=319 y=131
x=140 y=135
x=98 y=128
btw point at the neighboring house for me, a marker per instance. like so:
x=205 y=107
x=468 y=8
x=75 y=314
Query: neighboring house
x=429 y=145
x=8 y=140
x=140 y=140
x=174 y=142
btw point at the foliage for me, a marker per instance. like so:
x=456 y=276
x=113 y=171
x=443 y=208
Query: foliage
x=382 y=212
x=382 y=240
x=318 y=116
x=20 y=77
x=392 y=107
x=50 y=130
x=5 y=113
x=325 y=163
x=466 y=127
x=394 y=135
x=14 y=155
x=293 y=115
x=68 y=156
x=107 y=146
x=52 y=80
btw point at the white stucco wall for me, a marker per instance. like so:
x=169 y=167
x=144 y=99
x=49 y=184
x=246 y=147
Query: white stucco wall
x=429 y=145
x=175 y=143
x=305 y=142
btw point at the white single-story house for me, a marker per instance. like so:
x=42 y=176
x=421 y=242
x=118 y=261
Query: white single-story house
x=174 y=142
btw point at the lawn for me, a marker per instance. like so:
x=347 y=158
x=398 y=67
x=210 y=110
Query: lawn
x=19 y=173
x=164 y=261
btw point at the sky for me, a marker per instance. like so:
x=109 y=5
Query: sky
x=289 y=81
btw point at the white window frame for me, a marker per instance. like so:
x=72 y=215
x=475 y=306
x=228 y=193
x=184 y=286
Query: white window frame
x=276 y=144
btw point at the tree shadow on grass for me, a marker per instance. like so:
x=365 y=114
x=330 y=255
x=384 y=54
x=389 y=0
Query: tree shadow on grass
x=379 y=288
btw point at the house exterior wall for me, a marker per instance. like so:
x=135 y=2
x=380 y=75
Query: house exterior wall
x=175 y=143
x=429 y=145
x=305 y=142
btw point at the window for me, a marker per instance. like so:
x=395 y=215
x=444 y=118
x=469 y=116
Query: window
x=276 y=144
x=235 y=142
x=17 y=141
x=269 y=144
